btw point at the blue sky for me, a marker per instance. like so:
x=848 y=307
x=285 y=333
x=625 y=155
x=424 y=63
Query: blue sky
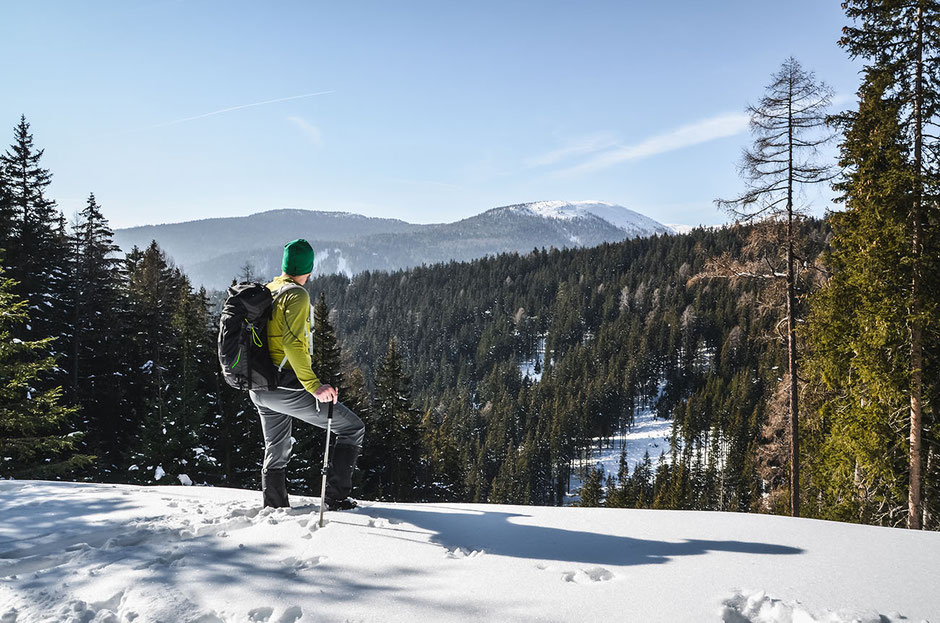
x=424 y=111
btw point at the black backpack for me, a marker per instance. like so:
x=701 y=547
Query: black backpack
x=243 y=337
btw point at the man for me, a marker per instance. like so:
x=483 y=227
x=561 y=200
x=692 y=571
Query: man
x=300 y=392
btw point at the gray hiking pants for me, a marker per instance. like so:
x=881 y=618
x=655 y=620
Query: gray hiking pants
x=277 y=407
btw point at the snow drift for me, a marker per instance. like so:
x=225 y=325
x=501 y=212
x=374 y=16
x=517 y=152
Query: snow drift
x=109 y=553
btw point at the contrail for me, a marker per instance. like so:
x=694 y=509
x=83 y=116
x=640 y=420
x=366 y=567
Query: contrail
x=224 y=110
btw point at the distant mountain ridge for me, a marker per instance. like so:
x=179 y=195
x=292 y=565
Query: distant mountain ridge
x=213 y=251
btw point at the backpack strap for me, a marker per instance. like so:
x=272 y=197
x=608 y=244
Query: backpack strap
x=284 y=288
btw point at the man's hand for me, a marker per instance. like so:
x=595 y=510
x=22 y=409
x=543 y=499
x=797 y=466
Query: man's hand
x=326 y=393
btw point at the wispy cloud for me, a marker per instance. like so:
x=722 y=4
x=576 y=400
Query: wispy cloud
x=311 y=131
x=240 y=107
x=842 y=98
x=580 y=147
x=696 y=133
x=424 y=183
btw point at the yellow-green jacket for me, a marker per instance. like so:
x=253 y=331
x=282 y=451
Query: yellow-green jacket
x=289 y=332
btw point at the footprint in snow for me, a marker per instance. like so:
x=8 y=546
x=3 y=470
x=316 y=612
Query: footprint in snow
x=244 y=512
x=168 y=559
x=129 y=539
x=588 y=576
x=299 y=564
x=260 y=615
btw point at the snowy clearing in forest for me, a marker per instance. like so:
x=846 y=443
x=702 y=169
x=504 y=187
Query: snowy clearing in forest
x=647 y=434
x=109 y=553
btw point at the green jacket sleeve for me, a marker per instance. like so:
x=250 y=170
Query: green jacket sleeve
x=297 y=325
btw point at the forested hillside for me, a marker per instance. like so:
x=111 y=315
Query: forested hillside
x=610 y=328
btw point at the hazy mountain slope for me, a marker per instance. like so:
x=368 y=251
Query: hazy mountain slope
x=213 y=251
x=197 y=241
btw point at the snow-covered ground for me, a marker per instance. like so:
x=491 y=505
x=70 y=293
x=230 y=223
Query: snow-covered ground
x=109 y=553
x=528 y=366
x=646 y=435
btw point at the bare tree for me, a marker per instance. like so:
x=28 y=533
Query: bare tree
x=788 y=126
x=247 y=273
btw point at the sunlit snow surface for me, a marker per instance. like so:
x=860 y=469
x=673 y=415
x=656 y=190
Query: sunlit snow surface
x=106 y=553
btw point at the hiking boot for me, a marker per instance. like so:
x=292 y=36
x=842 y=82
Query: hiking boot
x=339 y=476
x=274 y=488
x=346 y=504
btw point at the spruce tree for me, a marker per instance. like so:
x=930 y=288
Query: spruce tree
x=592 y=491
x=33 y=422
x=326 y=355
x=153 y=287
x=36 y=253
x=190 y=389
x=7 y=217
x=392 y=448
x=860 y=324
x=98 y=337
x=901 y=40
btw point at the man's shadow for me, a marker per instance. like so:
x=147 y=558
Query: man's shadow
x=494 y=532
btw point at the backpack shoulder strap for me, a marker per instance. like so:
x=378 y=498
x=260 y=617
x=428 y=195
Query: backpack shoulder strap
x=287 y=287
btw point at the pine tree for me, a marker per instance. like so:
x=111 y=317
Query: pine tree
x=233 y=436
x=33 y=441
x=190 y=390
x=36 y=253
x=642 y=482
x=592 y=492
x=860 y=324
x=97 y=336
x=7 y=218
x=901 y=41
x=392 y=448
x=326 y=355
x=153 y=287
x=788 y=127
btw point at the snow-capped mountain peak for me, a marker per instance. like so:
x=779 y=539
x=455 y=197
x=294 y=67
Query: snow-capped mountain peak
x=679 y=228
x=623 y=218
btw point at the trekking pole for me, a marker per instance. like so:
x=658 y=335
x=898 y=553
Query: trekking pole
x=326 y=460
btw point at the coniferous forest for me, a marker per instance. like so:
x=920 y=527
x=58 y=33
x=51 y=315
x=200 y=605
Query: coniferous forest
x=798 y=358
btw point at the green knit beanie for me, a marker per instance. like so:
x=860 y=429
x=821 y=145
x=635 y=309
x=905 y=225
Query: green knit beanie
x=298 y=258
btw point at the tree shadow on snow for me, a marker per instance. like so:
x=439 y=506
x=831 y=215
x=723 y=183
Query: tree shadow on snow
x=495 y=533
